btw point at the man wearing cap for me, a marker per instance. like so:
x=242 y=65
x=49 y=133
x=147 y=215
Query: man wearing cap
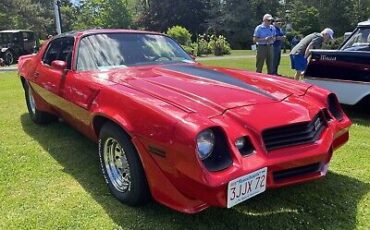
x=301 y=52
x=264 y=36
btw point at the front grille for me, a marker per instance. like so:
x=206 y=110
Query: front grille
x=296 y=134
x=299 y=171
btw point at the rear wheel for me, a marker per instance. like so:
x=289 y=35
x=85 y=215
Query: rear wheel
x=121 y=166
x=37 y=116
x=8 y=57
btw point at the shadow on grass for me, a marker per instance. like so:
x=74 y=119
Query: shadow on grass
x=359 y=114
x=330 y=203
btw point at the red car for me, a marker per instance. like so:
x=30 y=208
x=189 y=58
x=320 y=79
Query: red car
x=188 y=135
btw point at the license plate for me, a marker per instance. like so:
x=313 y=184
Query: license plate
x=245 y=187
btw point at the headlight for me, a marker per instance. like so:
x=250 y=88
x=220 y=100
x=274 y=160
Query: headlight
x=205 y=143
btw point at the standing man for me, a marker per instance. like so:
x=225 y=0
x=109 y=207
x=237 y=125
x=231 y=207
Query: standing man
x=300 y=53
x=279 y=38
x=264 y=38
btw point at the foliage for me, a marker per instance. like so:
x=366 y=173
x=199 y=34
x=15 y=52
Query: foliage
x=158 y=15
x=180 y=34
x=218 y=45
x=334 y=44
x=36 y=15
x=236 y=19
x=104 y=14
x=188 y=49
x=307 y=18
x=202 y=45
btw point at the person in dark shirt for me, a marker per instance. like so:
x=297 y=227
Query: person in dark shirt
x=301 y=52
x=279 y=38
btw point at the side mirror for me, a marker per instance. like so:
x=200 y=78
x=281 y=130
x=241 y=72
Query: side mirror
x=59 y=65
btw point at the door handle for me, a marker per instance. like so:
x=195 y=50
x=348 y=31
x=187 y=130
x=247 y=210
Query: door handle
x=36 y=74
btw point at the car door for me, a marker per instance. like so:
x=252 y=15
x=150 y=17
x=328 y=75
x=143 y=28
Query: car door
x=48 y=79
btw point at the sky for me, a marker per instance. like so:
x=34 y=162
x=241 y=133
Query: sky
x=75 y=2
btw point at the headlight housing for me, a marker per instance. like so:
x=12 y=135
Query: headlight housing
x=205 y=143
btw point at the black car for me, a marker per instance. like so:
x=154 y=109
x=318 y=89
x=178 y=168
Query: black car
x=345 y=71
x=14 y=43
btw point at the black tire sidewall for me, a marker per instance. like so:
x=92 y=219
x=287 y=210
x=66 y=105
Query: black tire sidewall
x=138 y=193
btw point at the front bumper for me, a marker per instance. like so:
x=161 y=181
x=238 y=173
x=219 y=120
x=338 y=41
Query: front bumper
x=286 y=166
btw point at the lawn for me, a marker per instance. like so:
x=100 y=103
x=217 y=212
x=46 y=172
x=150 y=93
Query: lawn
x=50 y=179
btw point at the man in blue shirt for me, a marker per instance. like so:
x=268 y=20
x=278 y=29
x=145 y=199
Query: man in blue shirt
x=264 y=37
x=279 y=38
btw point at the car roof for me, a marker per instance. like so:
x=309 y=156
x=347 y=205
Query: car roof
x=14 y=31
x=102 y=31
x=364 y=23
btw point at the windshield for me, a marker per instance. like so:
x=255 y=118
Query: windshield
x=359 y=40
x=115 y=50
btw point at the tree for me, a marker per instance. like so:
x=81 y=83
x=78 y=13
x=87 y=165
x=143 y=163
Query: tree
x=236 y=19
x=36 y=15
x=159 y=15
x=103 y=13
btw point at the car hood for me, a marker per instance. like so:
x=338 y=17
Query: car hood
x=210 y=91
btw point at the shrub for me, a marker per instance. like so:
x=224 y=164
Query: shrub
x=219 y=45
x=180 y=34
x=334 y=44
x=188 y=49
x=202 y=46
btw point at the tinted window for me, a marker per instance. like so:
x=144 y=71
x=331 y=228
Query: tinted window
x=59 y=49
x=112 y=50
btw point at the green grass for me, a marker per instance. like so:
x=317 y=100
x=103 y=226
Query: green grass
x=249 y=63
x=50 y=179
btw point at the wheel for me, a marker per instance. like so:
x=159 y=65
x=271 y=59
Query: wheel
x=8 y=57
x=121 y=166
x=37 y=116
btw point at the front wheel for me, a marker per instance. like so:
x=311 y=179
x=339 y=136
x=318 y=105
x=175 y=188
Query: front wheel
x=121 y=166
x=36 y=115
x=8 y=57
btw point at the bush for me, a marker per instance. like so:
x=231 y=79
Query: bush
x=202 y=46
x=334 y=44
x=188 y=49
x=219 y=45
x=180 y=34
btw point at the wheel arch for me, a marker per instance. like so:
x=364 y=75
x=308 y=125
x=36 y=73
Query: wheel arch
x=365 y=100
x=99 y=120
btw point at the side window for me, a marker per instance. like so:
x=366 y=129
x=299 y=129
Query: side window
x=59 y=49
x=52 y=52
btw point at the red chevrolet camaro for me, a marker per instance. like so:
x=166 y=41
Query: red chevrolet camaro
x=188 y=135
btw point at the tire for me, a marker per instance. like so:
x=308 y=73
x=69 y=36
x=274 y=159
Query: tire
x=8 y=57
x=37 y=116
x=121 y=166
